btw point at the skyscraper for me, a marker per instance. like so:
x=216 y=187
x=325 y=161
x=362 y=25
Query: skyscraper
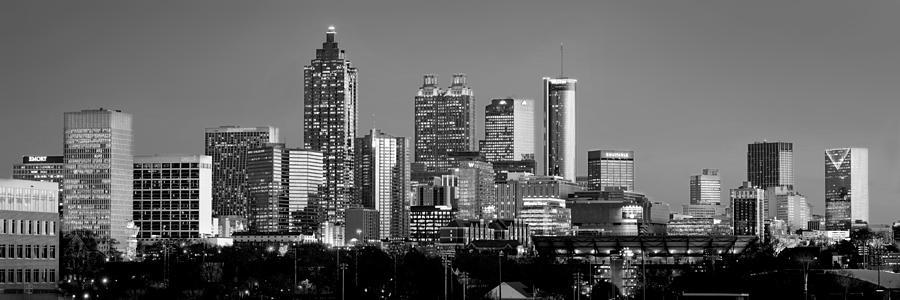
x=706 y=187
x=228 y=146
x=846 y=187
x=97 y=186
x=173 y=197
x=508 y=130
x=611 y=168
x=559 y=127
x=283 y=184
x=329 y=121
x=383 y=180
x=770 y=164
x=748 y=203
x=444 y=121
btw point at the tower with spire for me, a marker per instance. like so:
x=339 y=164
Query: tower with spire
x=330 y=122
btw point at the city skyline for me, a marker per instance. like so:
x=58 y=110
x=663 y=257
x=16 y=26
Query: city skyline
x=155 y=125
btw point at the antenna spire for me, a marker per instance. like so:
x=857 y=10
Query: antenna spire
x=561 y=60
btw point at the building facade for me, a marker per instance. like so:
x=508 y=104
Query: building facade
x=172 y=197
x=611 y=169
x=846 y=188
x=97 y=190
x=770 y=164
x=508 y=130
x=425 y=223
x=706 y=187
x=228 y=146
x=29 y=244
x=330 y=116
x=284 y=187
x=789 y=206
x=475 y=190
x=748 y=204
x=362 y=226
x=559 y=127
x=444 y=121
x=383 y=180
x=42 y=168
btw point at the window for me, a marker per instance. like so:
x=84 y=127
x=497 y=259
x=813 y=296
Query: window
x=27 y=251
x=52 y=251
x=44 y=254
x=19 y=275
x=36 y=275
x=3 y=251
x=52 y=275
x=27 y=275
x=19 y=250
x=2 y=276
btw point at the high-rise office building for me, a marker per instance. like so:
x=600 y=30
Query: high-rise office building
x=284 y=188
x=559 y=127
x=706 y=187
x=29 y=244
x=748 y=203
x=444 y=121
x=846 y=188
x=611 y=169
x=173 y=197
x=770 y=164
x=329 y=121
x=42 y=168
x=97 y=193
x=228 y=146
x=383 y=180
x=508 y=130
x=475 y=190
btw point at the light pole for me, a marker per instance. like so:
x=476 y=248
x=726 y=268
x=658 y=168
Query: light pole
x=444 y=262
x=343 y=291
x=500 y=275
x=465 y=279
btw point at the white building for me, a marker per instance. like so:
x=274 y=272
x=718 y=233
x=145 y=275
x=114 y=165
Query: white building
x=173 y=197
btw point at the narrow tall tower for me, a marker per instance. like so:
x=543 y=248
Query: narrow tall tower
x=330 y=122
x=559 y=127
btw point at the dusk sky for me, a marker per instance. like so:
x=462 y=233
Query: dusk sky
x=685 y=84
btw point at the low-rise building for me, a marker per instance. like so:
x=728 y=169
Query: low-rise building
x=29 y=240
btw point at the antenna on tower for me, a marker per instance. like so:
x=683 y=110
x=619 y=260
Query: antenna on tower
x=561 y=60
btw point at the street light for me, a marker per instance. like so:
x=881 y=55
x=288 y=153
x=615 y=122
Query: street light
x=500 y=275
x=343 y=293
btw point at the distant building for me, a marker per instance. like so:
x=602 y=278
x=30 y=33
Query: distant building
x=228 y=146
x=173 y=197
x=748 y=203
x=284 y=187
x=611 y=168
x=508 y=130
x=770 y=164
x=559 y=127
x=441 y=192
x=444 y=121
x=544 y=204
x=698 y=227
x=475 y=190
x=503 y=168
x=362 y=226
x=706 y=187
x=509 y=191
x=703 y=210
x=895 y=228
x=463 y=232
x=29 y=254
x=42 y=168
x=330 y=116
x=616 y=212
x=789 y=206
x=425 y=223
x=383 y=180
x=846 y=188
x=97 y=186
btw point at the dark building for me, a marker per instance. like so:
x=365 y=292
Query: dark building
x=444 y=121
x=228 y=146
x=330 y=120
x=611 y=168
x=362 y=226
x=748 y=203
x=770 y=164
x=172 y=197
x=425 y=223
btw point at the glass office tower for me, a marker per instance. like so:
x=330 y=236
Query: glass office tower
x=559 y=127
x=846 y=188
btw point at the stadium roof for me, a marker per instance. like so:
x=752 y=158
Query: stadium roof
x=651 y=245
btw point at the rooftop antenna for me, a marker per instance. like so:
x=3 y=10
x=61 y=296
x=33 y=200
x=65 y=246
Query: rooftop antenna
x=561 y=60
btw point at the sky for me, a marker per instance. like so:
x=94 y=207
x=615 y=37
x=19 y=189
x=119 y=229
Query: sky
x=686 y=84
